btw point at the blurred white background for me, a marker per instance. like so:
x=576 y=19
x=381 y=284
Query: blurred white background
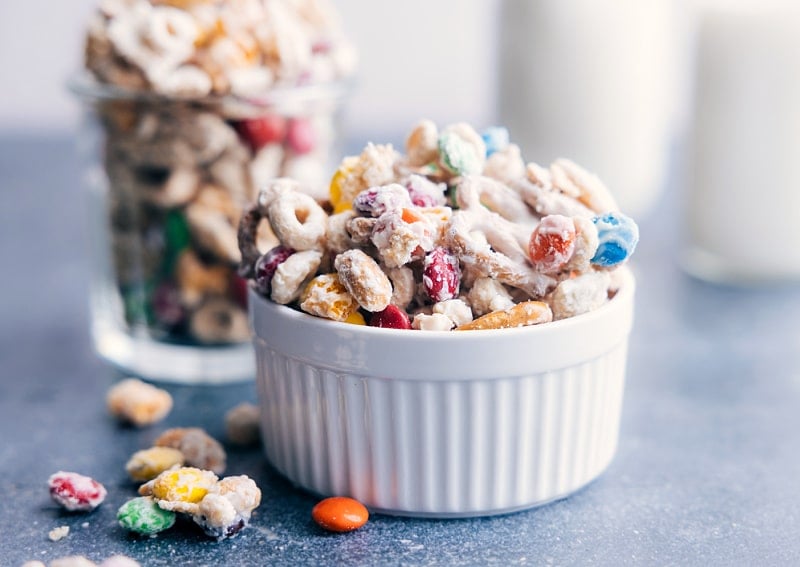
x=417 y=56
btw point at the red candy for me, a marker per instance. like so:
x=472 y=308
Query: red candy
x=75 y=492
x=441 y=275
x=258 y=132
x=266 y=266
x=552 y=243
x=300 y=136
x=390 y=318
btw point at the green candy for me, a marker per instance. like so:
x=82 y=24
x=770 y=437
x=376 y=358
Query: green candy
x=143 y=516
x=177 y=236
x=458 y=155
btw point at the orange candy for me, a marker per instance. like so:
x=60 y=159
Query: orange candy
x=340 y=514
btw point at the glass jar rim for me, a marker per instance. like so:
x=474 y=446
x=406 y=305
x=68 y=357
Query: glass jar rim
x=84 y=86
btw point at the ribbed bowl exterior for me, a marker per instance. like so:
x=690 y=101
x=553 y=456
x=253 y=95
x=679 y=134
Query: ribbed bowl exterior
x=441 y=424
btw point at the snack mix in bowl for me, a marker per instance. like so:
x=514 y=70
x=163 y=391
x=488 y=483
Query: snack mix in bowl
x=448 y=335
x=193 y=105
x=459 y=233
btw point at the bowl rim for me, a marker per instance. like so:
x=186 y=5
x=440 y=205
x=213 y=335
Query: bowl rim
x=398 y=353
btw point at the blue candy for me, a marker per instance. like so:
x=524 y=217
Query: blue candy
x=496 y=138
x=618 y=235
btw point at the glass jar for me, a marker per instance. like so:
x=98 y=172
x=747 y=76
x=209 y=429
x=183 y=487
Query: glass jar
x=168 y=180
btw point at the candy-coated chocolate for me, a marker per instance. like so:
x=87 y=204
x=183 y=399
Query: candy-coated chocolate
x=340 y=514
x=618 y=235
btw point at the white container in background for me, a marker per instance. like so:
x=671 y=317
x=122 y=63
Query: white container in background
x=598 y=82
x=442 y=423
x=743 y=202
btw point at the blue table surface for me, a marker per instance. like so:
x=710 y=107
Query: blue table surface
x=707 y=471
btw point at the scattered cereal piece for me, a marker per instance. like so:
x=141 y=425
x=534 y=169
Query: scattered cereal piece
x=58 y=533
x=149 y=463
x=226 y=509
x=242 y=424
x=340 y=514
x=76 y=492
x=120 y=561
x=198 y=447
x=143 y=516
x=33 y=564
x=137 y=402
x=72 y=561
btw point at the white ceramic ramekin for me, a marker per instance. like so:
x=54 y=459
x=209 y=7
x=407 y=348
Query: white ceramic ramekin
x=442 y=424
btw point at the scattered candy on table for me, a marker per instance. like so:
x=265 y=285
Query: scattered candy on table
x=458 y=233
x=143 y=516
x=340 y=514
x=242 y=424
x=76 y=492
x=147 y=464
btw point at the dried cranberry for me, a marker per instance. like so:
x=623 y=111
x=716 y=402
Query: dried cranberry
x=441 y=275
x=258 y=132
x=390 y=318
x=266 y=266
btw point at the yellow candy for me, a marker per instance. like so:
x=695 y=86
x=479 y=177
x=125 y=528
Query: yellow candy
x=356 y=318
x=326 y=296
x=186 y=484
x=149 y=463
x=339 y=200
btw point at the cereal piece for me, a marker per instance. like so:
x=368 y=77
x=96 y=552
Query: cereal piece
x=505 y=165
x=298 y=221
x=197 y=280
x=198 y=447
x=59 y=533
x=403 y=236
x=496 y=139
x=360 y=230
x=143 y=516
x=377 y=200
x=266 y=265
x=364 y=279
x=403 y=286
x=226 y=509
x=242 y=424
x=76 y=492
x=149 y=463
x=392 y=317
x=586 y=243
x=336 y=235
x=455 y=309
x=552 y=243
x=292 y=274
x=579 y=295
x=179 y=188
x=33 y=564
x=441 y=275
x=72 y=561
x=219 y=320
x=520 y=315
x=374 y=167
x=326 y=296
x=544 y=199
x=617 y=235
x=432 y=322
x=213 y=217
x=461 y=150
x=138 y=403
x=120 y=561
x=422 y=143
x=571 y=178
x=487 y=295
x=175 y=487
